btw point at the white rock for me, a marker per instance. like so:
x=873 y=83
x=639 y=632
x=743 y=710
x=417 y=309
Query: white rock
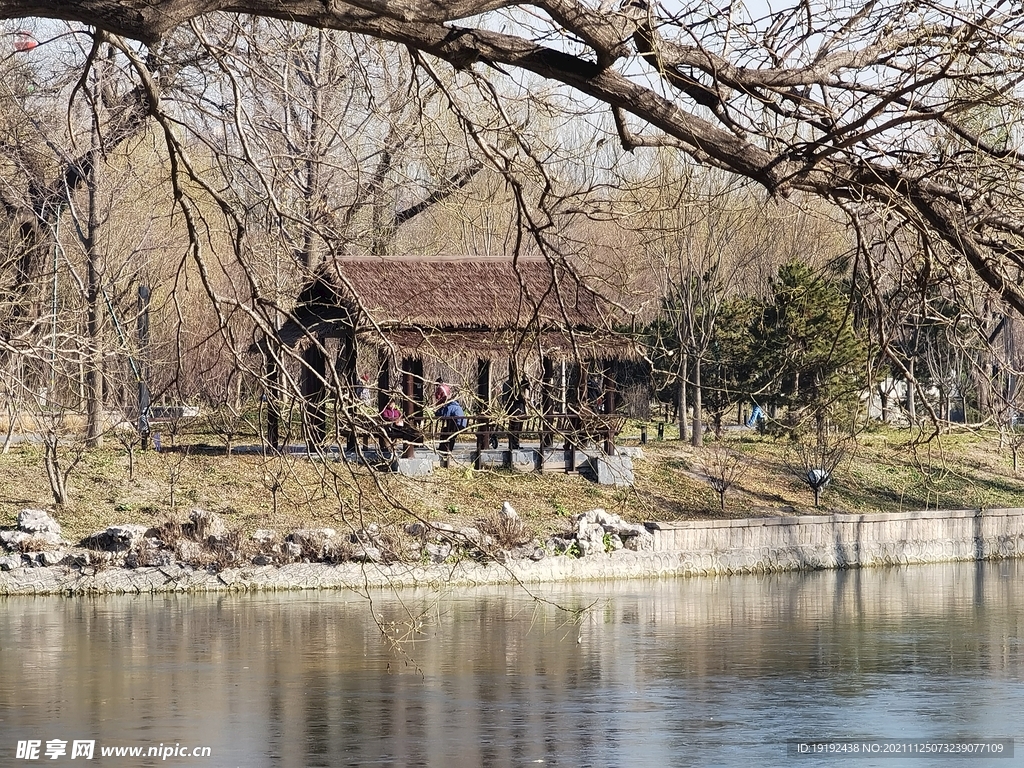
x=10 y=562
x=642 y=542
x=264 y=537
x=438 y=553
x=591 y=540
x=472 y=535
x=366 y=554
x=37 y=521
x=14 y=539
x=416 y=529
x=186 y=551
x=207 y=524
x=123 y=536
x=37 y=541
x=367 y=535
x=313 y=542
x=51 y=557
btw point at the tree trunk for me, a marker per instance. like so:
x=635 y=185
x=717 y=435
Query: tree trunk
x=94 y=320
x=313 y=193
x=985 y=398
x=51 y=460
x=272 y=395
x=681 y=401
x=697 y=436
x=911 y=392
x=383 y=212
x=12 y=422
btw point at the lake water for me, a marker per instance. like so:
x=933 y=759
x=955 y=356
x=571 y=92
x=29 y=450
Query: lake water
x=687 y=672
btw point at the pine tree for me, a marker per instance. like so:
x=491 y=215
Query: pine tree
x=728 y=369
x=806 y=355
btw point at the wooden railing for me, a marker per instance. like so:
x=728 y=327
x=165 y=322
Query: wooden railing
x=569 y=431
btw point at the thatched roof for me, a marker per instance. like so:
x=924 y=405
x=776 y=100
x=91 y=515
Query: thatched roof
x=471 y=304
x=479 y=293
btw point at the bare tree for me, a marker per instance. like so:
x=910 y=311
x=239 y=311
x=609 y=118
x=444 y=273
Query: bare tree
x=722 y=469
x=844 y=117
x=814 y=457
x=842 y=102
x=708 y=241
x=127 y=434
x=63 y=448
x=14 y=405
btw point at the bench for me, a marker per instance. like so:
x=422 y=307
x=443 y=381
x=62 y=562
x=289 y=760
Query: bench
x=165 y=414
x=571 y=431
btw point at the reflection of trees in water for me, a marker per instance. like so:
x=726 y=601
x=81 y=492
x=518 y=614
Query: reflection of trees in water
x=493 y=678
x=948 y=618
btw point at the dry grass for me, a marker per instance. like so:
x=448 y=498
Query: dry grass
x=884 y=473
x=507 y=531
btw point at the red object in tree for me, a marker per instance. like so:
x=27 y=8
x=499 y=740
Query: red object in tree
x=24 y=41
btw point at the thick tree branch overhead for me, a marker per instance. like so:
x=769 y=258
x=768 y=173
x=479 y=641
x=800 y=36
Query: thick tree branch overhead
x=908 y=106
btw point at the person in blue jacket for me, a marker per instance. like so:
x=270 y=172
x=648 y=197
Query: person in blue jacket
x=451 y=416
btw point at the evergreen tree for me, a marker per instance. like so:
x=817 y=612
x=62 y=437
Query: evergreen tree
x=805 y=354
x=729 y=364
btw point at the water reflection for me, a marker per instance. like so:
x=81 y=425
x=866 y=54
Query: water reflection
x=683 y=672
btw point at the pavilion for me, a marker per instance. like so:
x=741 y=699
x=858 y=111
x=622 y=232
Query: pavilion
x=405 y=323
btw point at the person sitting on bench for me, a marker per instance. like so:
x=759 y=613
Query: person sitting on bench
x=395 y=427
x=450 y=415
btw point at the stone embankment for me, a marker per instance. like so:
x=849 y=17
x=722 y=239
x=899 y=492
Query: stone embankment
x=814 y=542
x=201 y=554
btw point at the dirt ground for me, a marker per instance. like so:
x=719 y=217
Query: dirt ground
x=883 y=470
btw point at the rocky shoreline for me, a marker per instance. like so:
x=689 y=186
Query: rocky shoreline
x=201 y=554
x=78 y=581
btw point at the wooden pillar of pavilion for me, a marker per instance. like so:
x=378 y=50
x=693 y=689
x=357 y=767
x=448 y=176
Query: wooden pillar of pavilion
x=610 y=398
x=314 y=394
x=346 y=368
x=412 y=389
x=577 y=385
x=483 y=395
x=383 y=379
x=483 y=382
x=547 y=402
x=568 y=427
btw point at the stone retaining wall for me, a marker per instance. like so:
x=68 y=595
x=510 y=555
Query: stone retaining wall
x=62 y=580
x=697 y=547
x=843 y=541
